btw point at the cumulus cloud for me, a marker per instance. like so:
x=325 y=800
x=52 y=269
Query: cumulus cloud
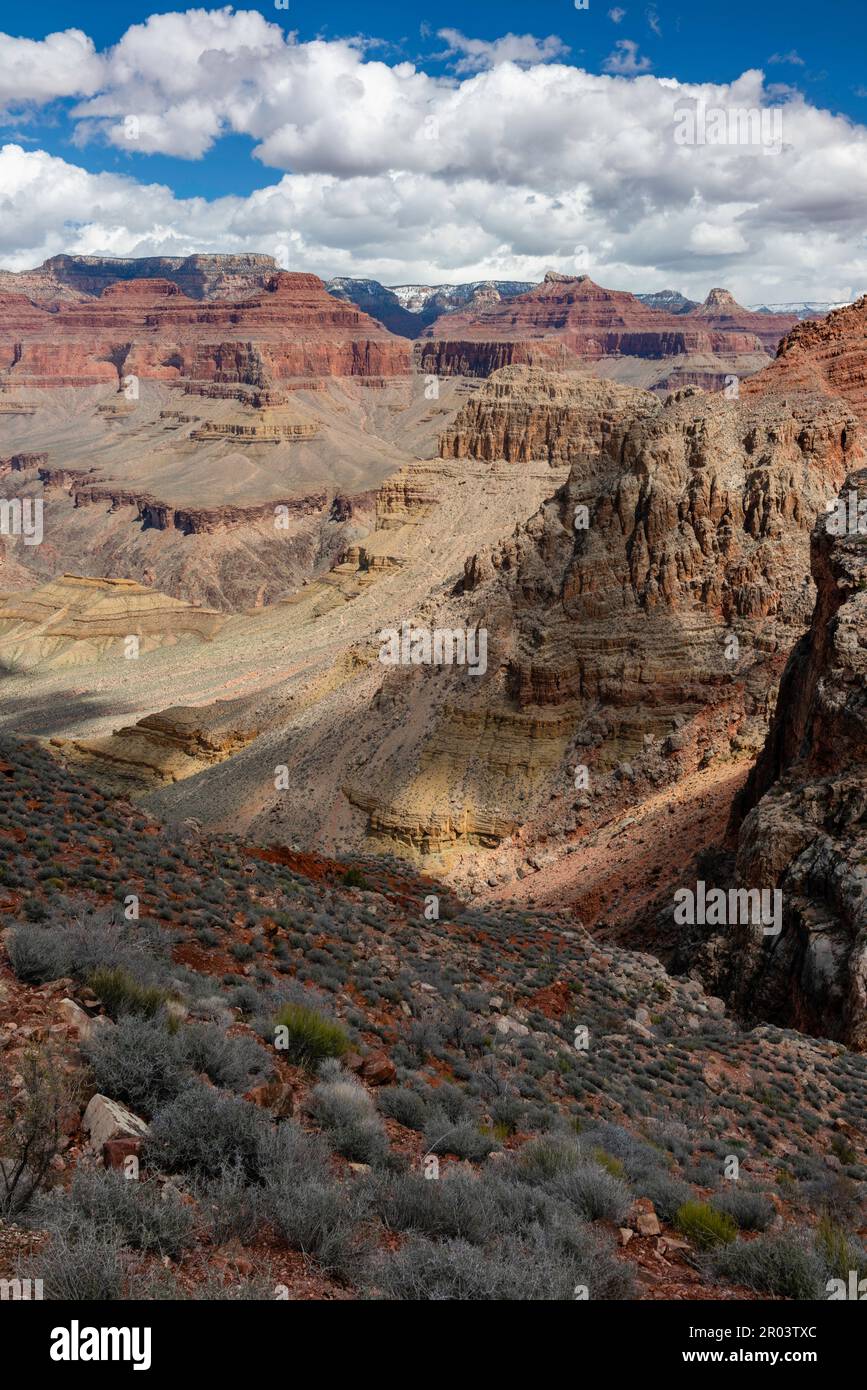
x=791 y=57
x=473 y=55
x=616 y=14
x=37 y=71
x=393 y=173
x=625 y=60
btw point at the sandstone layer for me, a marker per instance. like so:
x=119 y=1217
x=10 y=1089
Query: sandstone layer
x=569 y=319
x=149 y=329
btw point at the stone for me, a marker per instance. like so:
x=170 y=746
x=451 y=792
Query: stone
x=115 y=1152
x=506 y=1025
x=276 y=1096
x=106 y=1119
x=648 y=1224
x=378 y=1069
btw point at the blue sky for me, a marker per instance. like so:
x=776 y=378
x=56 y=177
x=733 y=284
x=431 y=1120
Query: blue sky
x=277 y=148
x=694 y=42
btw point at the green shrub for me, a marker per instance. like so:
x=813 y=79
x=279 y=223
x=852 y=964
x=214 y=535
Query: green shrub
x=306 y=1038
x=121 y=994
x=704 y=1225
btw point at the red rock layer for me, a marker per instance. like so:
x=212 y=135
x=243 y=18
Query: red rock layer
x=573 y=317
x=827 y=356
x=721 y=312
x=148 y=328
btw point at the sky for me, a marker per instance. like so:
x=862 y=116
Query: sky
x=651 y=145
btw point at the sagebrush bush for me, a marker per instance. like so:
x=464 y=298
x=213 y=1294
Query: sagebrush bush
x=592 y=1192
x=510 y=1270
x=751 y=1211
x=320 y=1219
x=137 y=1061
x=86 y=1266
x=138 y=1213
x=202 y=1131
x=403 y=1105
x=785 y=1263
x=235 y=1063
x=347 y=1114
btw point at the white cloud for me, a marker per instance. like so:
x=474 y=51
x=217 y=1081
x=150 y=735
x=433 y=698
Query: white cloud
x=616 y=14
x=60 y=65
x=392 y=173
x=625 y=60
x=475 y=55
x=791 y=57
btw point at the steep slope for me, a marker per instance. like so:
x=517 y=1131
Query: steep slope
x=148 y=328
x=722 y=312
x=829 y=355
x=803 y=813
x=458 y=1035
x=569 y=320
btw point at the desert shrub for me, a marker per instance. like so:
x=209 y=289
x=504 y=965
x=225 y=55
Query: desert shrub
x=289 y=1156
x=784 y=1263
x=140 y=1214
x=464 y=1139
x=29 y=1129
x=137 y=1061
x=121 y=994
x=512 y=1269
x=839 y=1251
x=89 y=943
x=233 y=1063
x=346 y=1112
x=234 y=1209
x=667 y=1193
x=403 y=1105
x=592 y=1192
x=86 y=1266
x=542 y=1159
x=704 y=1225
x=752 y=1211
x=202 y=1131
x=636 y=1158
x=306 y=1037
x=320 y=1219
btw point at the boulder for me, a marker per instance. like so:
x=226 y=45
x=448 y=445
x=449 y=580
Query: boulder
x=106 y=1119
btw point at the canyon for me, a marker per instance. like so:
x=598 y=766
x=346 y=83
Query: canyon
x=638 y=557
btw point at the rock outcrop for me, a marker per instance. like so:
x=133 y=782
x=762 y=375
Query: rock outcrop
x=149 y=329
x=68 y=278
x=570 y=317
x=803 y=813
x=524 y=413
x=722 y=312
x=72 y=621
x=828 y=355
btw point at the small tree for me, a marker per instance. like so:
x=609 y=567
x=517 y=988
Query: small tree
x=30 y=1129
